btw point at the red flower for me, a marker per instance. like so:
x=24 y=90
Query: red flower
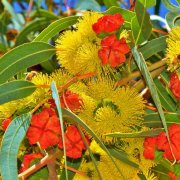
x=172 y=175
x=28 y=158
x=71 y=100
x=108 y=23
x=44 y=128
x=149 y=147
x=162 y=144
x=174 y=85
x=113 y=50
x=73 y=142
x=68 y=100
x=6 y=123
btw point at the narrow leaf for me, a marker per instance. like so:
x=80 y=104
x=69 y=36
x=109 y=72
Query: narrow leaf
x=15 y=90
x=55 y=28
x=10 y=144
x=148 y=3
x=110 y=3
x=10 y=9
x=55 y=96
x=149 y=133
x=141 y=24
x=149 y=81
x=166 y=101
x=172 y=18
x=43 y=13
x=170 y=6
x=152 y=47
x=33 y=26
x=22 y=57
x=153 y=119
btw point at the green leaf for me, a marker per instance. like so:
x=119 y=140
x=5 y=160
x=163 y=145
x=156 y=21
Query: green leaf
x=149 y=81
x=153 y=119
x=148 y=3
x=55 y=28
x=110 y=3
x=15 y=90
x=170 y=6
x=148 y=133
x=90 y=4
x=141 y=25
x=44 y=14
x=166 y=101
x=152 y=47
x=10 y=144
x=33 y=26
x=173 y=19
x=127 y=15
x=22 y=57
x=56 y=98
x=10 y=9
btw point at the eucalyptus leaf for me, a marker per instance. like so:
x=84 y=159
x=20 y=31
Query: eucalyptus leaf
x=148 y=3
x=173 y=18
x=23 y=57
x=55 y=28
x=154 y=46
x=141 y=25
x=149 y=81
x=15 y=16
x=15 y=90
x=166 y=101
x=33 y=26
x=10 y=145
x=110 y=3
x=149 y=133
x=43 y=13
x=56 y=98
x=153 y=119
x=170 y=5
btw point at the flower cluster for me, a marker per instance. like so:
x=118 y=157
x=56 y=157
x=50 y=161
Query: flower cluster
x=45 y=130
x=112 y=49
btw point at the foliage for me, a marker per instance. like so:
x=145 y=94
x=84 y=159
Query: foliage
x=90 y=94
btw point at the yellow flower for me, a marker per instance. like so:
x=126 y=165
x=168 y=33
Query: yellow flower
x=100 y=88
x=77 y=51
x=106 y=109
x=85 y=23
x=173 y=49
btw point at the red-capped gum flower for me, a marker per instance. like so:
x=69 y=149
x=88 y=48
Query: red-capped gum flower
x=44 y=128
x=113 y=50
x=73 y=142
x=108 y=23
x=162 y=144
x=174 y=85
x=149 y=148
x=172 y=176
x=28 y=158
x=68 y=100
x=174 y=133
x=6 y=123
x=71 y=100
